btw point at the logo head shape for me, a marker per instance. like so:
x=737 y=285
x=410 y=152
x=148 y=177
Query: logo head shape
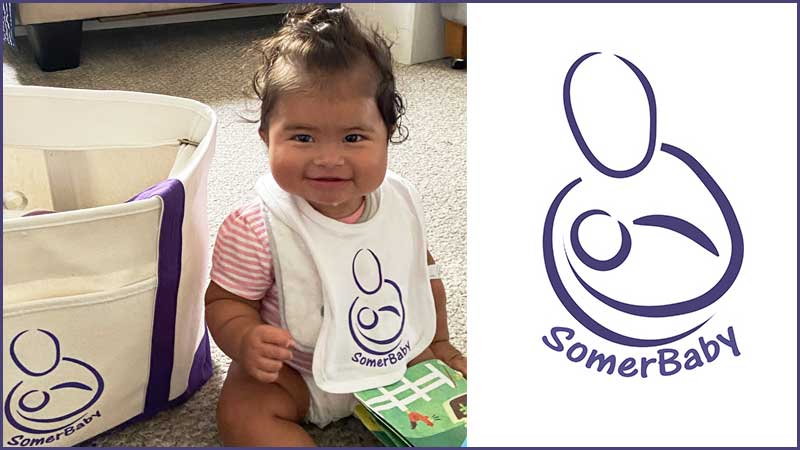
x=55 y=390
x=376 y=317
x=581 y=141
x=561 y=241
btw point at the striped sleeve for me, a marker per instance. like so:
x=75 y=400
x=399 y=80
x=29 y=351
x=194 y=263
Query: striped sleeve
x=242 y=262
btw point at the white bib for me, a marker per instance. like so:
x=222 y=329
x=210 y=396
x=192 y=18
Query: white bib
x=358 y=294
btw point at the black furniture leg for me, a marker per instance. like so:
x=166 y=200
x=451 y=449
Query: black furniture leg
x=56 y=46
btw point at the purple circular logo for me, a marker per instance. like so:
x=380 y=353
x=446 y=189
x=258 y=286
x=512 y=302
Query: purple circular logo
x=55 y=390
x=376 y=319
x=564 y=242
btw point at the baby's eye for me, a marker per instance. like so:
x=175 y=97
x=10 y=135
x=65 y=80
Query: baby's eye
x=305 y=138
x=352 y=138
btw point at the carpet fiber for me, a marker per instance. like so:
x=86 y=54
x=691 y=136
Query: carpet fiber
x=203 y=61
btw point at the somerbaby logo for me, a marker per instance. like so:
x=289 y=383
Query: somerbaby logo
x=54 y=395
x=377 y=316
x=640 y=255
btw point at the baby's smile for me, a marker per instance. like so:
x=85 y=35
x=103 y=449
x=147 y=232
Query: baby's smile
x=328 y=182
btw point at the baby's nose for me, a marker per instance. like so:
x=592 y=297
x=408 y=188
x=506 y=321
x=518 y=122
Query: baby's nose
x=329 y=155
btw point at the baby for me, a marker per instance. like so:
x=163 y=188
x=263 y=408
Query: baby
x=323 y=285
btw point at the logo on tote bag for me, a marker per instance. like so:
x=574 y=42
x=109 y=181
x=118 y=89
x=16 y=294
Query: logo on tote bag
x=675 y=256
x=55 y=394
x=377 y=316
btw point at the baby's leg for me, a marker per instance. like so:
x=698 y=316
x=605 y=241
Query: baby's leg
x=255 y=414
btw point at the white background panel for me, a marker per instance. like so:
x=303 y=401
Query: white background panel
x=724 y=78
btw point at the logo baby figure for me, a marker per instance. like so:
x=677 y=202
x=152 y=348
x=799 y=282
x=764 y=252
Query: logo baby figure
x=679 y=248
x=376 y=318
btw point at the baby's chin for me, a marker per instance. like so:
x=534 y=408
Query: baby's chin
x=335 y=208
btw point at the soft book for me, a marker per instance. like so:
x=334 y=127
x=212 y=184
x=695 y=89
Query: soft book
x=426 y=408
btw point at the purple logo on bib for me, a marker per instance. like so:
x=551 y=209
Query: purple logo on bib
x=377 y=317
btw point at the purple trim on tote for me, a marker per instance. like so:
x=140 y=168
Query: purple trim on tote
x=169 y=273
x=200 y=373
x=202 y=368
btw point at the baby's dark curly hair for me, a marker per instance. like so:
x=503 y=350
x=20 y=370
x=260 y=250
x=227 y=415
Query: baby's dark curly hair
x=312 y=44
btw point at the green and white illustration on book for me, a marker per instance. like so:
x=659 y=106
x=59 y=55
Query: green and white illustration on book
x=426 y=408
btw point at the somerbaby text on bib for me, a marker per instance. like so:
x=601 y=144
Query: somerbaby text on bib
x=358 y=294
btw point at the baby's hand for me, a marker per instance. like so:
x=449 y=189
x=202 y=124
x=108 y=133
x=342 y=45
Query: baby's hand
x=263 y=350
x=445 y=351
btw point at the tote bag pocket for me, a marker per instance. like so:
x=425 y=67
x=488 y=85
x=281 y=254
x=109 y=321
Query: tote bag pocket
x=77 y=364
x=74 y=253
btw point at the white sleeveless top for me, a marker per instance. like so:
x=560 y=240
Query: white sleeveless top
x=357 y=294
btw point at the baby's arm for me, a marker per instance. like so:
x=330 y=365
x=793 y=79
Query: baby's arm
x=441 y=348
x=242 y=264
x=238 y=330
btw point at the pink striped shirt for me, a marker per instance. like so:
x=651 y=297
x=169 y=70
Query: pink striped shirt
x=242 y=264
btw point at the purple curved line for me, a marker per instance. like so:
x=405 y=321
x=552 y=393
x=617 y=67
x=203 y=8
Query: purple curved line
x=727 y=278
x=567 y=300
x=637 y=310
x=679 y=226
x=22 y=367
x=725 y=281
x=400 y=329
x=576 y=132
x=374 y=319
x=19 y=426
x=390 y=308
x=45 y=400
x=732 y=223
x=355 y=277
x=71 y=384
x=388 y=341
x=599 y=264
x=79 y=410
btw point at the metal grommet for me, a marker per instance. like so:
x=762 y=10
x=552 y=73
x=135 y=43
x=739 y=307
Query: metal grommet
x=14 y=200
x=188 y=142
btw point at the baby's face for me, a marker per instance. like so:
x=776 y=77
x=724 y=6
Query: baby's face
x=329 y=145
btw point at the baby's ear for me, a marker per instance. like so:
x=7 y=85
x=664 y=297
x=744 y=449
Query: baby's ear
x=264 y=136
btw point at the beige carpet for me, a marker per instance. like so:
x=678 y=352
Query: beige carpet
x=203 y=61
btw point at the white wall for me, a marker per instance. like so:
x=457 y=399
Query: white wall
x=417 y=29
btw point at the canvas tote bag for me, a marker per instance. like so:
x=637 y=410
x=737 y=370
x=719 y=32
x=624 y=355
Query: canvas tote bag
x=105 y=255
